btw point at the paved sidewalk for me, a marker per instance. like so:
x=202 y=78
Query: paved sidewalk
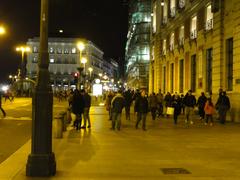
x=99 y=153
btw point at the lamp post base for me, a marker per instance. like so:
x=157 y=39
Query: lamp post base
x=41 y=165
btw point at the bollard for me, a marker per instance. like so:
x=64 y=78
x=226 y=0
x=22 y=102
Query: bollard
x=63 y=115
x=58 y=127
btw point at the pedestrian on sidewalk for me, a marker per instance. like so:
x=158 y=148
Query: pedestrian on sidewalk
x=160 y=103
x=176 y=104
x=190 y=102
x=223 y=105
x=201 y=104
x=209 y=110
x=87 y=105
x=153 y=103
x=128 y=101
x=117 y=104
x=141 y=107
x=3 y=112
x=77 y=108
x=108 y=103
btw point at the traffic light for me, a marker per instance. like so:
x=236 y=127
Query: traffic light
x=76 y=78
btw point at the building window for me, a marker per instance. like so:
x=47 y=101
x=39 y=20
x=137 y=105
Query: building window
x=51 y=50
x=181 y=75
x=209 y=18
x=74 y=50
x=172 y=42
x=35 y=49
x=59 y=61
x=165 y=13
x=164 y=47
x=52 y=60
x=59 y=51
x=164 y=79
x=34 y=60
x=172 y=8
x=193 y=34
x=154 y=20
x=172 y=77
x=229 y=61
x=181 y=3
x=209 y=70
x=73 y=61
x=181 y=36
x=66 y=51
x=193 y=73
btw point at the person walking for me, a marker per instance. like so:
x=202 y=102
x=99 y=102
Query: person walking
x=1 y=108
x=117 y=104
x=153 y=103
x=87 y=105
x=176 y=104
x=168 y=101
x=209 y=110
x=77 y=108
x=141 y=107
x=190 y=102
x=201 y=104
x=223 y=105
x=128 y=101
x=108 y=103
x=160 y=103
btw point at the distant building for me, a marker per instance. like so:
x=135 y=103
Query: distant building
x=195 y=45
x=64 y=58
x=138 y=44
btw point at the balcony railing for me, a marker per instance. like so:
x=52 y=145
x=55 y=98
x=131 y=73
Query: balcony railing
x=193 y=34
x=173 y=12
x=209 y=24
x=181 y=3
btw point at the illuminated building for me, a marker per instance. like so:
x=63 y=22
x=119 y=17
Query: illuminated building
x=137 y=47
x=195 y=45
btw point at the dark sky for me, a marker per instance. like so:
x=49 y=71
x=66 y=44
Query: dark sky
x=104 y=22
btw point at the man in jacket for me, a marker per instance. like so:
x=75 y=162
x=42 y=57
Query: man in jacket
x=189 y=102
x=4 y=113
x=87 y=105
x=141 y=107
x=117 y=104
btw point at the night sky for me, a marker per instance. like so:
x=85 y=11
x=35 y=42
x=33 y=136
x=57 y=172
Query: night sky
x=104 y=22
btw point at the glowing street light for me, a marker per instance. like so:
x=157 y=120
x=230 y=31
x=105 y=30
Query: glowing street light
x=2 y=30
x=90 y=71
x=22 y=49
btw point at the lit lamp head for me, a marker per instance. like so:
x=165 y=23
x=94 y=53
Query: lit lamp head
x=84 y=60
x=81 y=46
x=23 y=49
x=2 y=30
x=90 y=69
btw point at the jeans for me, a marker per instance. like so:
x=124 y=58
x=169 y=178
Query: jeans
x=188 y=112
x=127 y=110
x=141 y=116
x=86 y=117
x=4 y=113
x=116 y=120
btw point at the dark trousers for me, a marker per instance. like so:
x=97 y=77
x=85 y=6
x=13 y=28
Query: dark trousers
x=153 y=112
x=201 y=112
x=209 y=116
x=141 y=116
x=78 y=122
x=222 y=115
x=175 y=116
x=4 y=113
x=127 y=110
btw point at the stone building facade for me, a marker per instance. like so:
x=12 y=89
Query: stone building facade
x=195 y=44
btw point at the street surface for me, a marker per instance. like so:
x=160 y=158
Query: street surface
x=164 y=151
x=16 y=127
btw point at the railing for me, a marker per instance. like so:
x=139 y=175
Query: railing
x=209 y=24
x=193 y=34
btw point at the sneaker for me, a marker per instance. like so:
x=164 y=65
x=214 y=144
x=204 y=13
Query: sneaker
x=191 y=122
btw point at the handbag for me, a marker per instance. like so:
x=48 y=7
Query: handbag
x=170 y=110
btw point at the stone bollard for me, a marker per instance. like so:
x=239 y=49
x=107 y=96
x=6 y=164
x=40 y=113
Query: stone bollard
x=58 y=127
x=63 y=114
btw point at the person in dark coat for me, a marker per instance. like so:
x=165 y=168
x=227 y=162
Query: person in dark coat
x=141 y=107
x=201 y=104
x=189 y=102
x=117 y=104
x=153 y=104
x=176 y=104
x=4 y=113
x=87 y=105
x=128 y=101
x=77 y=108
x=223 y=105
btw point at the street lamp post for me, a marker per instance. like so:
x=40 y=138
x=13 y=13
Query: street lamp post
x=22 y=49
x=41 y=162
x=84 y=61
x=81 y=47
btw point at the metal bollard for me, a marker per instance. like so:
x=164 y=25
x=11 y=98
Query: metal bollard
x=57 y=127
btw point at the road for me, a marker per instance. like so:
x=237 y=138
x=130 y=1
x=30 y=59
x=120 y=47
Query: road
x=16 y=127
